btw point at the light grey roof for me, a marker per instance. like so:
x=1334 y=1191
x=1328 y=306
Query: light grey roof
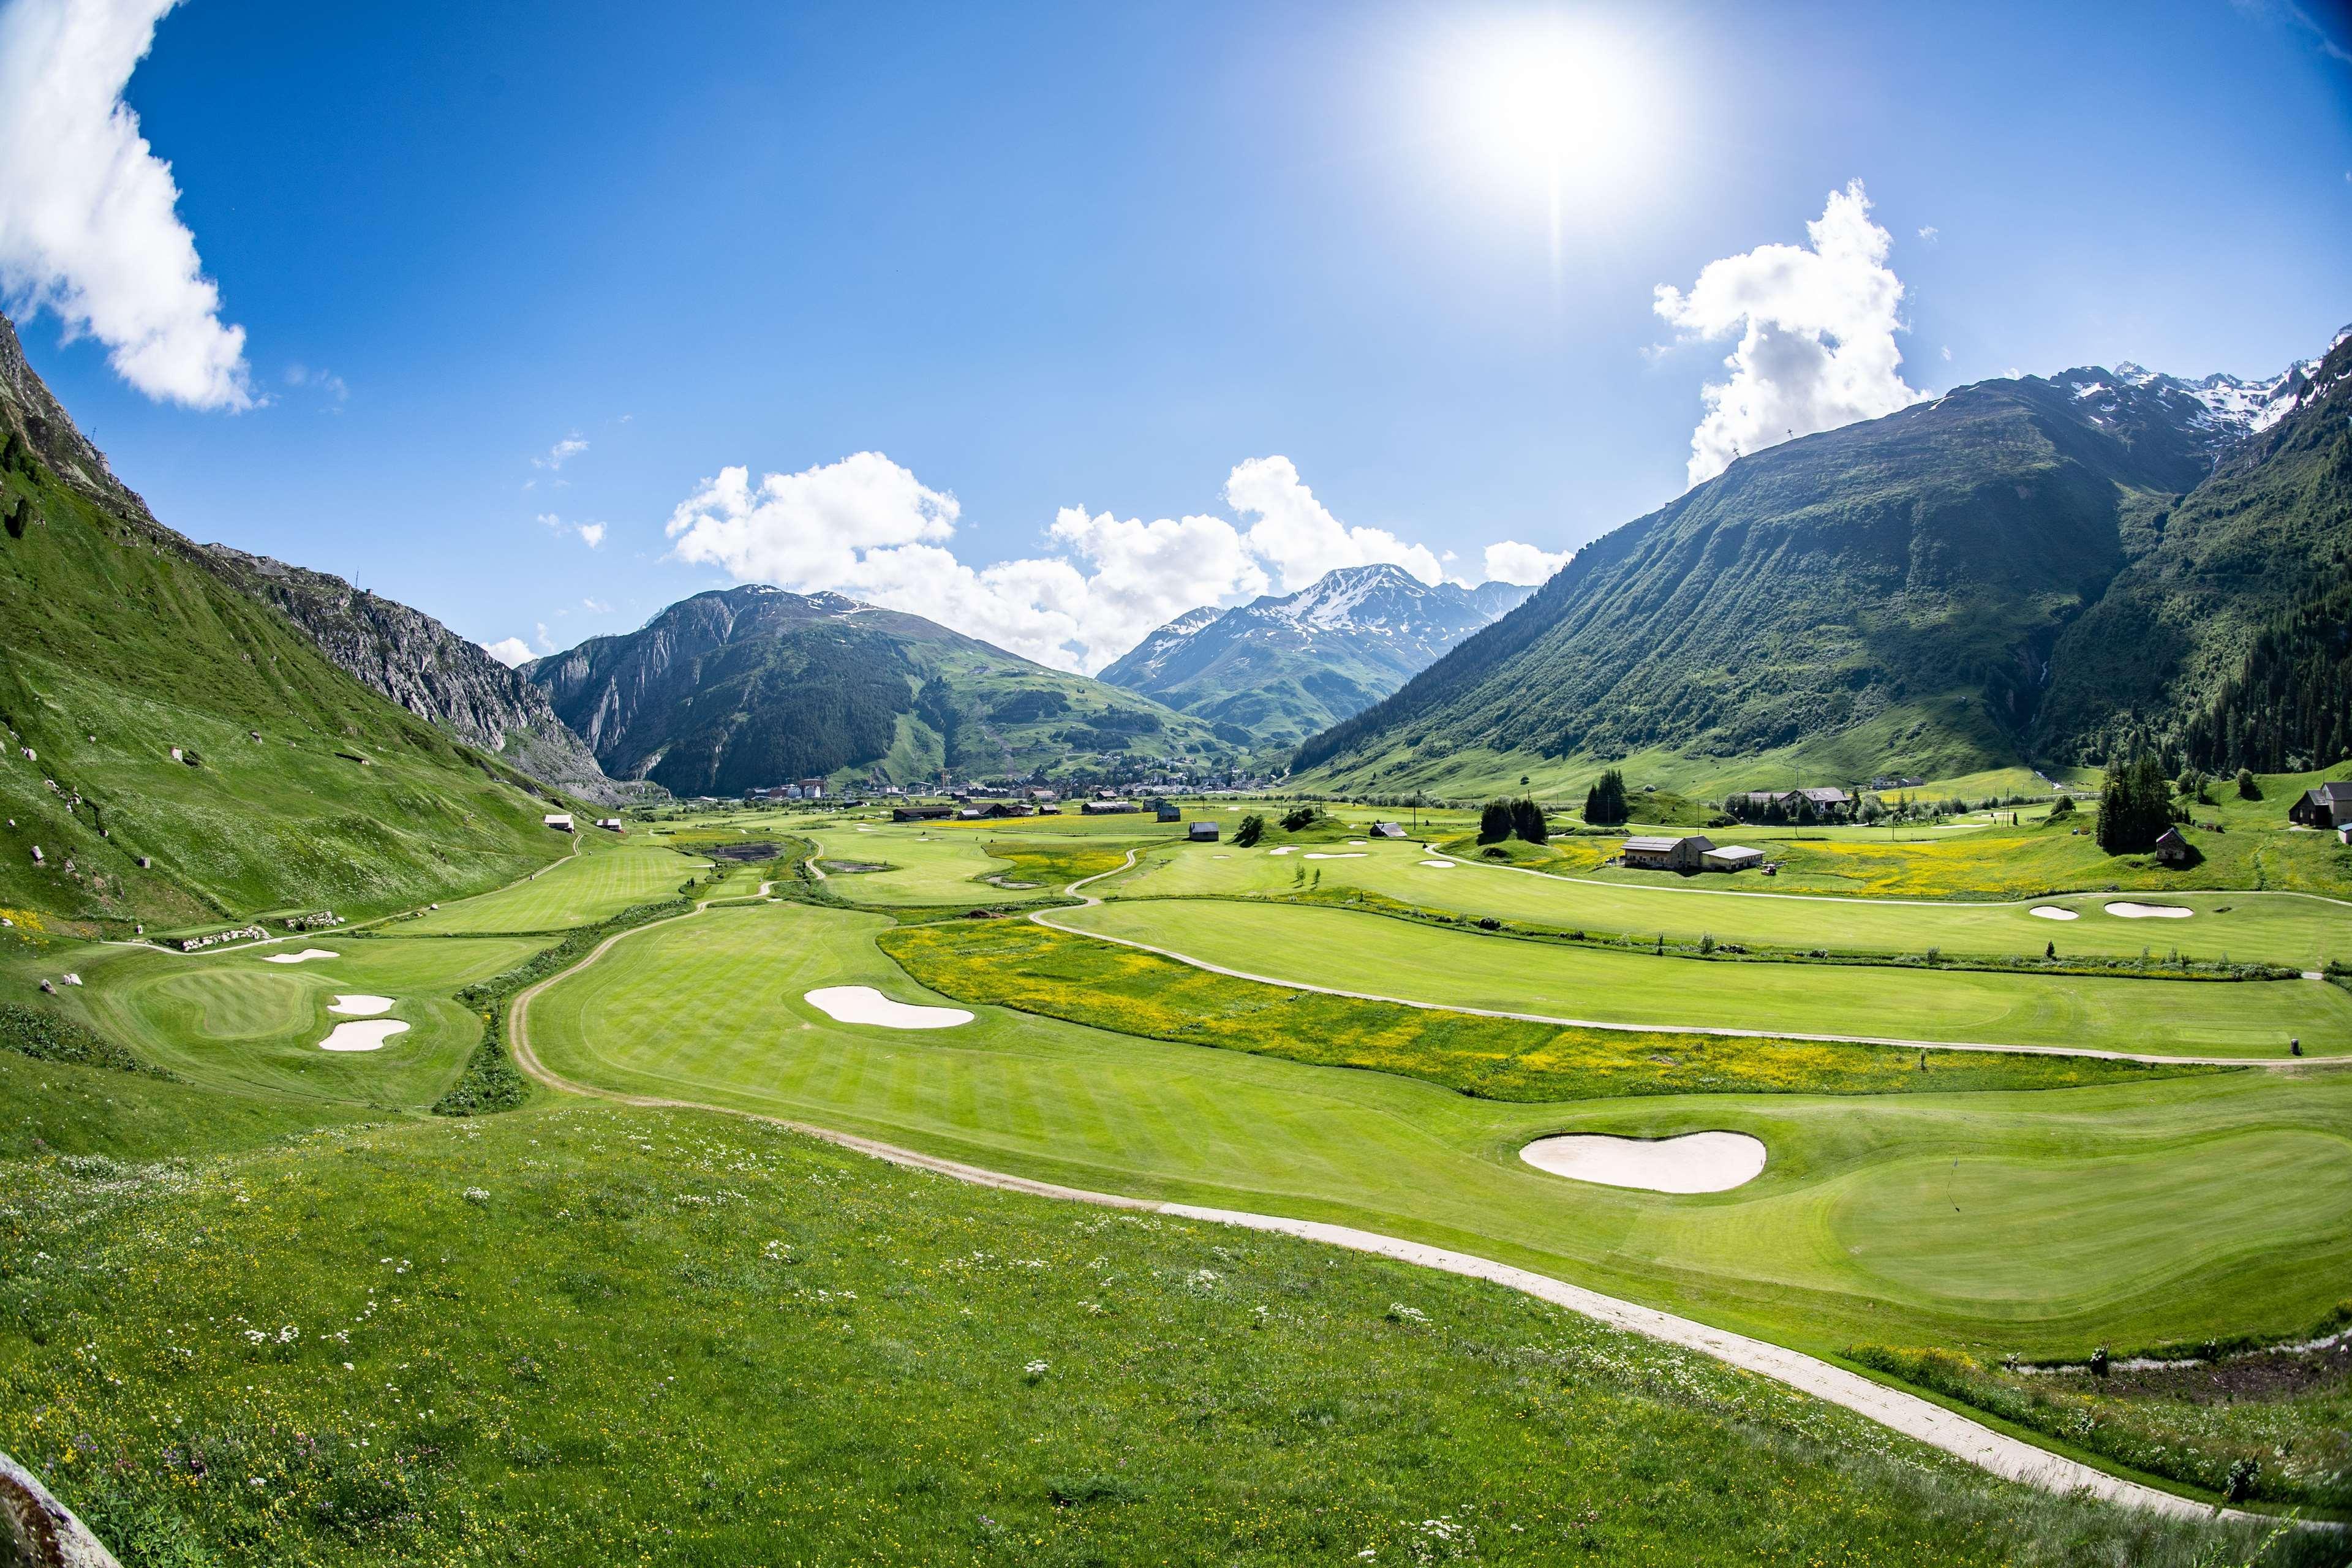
x=1651 y=845
x=1735 y=852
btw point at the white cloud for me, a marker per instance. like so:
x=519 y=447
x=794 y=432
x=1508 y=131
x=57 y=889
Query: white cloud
x=591 y=533
x=88 y=222
x=324 y=381
x=1930 y=234
x=1299 y=537
x=868 y=528
x=596 y=607
x=563 y=452
x=546 y=643
x=1511 y=562
x=1947 y=353
x=1816 y=335
x=508 y=651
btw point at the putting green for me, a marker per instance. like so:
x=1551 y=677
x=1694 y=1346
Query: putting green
x=1303 y=943
x=599 y=882
x=2296 y=929
x=926 y=866
x=1835 y=1242
x=233 y=1021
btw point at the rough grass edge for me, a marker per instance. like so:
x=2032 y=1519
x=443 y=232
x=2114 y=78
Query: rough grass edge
x=491 y=1082
x=44 y=1037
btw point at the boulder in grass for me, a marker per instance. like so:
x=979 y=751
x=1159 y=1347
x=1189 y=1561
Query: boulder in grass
x=42 y=1530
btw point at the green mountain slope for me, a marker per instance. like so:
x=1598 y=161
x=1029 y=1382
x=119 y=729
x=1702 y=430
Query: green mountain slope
x=1898 y=596
x=122 y=643
x=753 y=687
x=2270 y=529
x=1274 y=671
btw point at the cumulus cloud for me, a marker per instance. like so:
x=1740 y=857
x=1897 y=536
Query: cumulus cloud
x=1297 y=534
x=593 y=534
x=508 y=651
x=1816 y=329
x=868 y=528
x=563 y=452
x=88 y=222
x=1511 y=562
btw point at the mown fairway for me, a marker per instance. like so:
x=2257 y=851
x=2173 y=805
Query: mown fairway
x=2296 y=929
x=233 y=1021
x=1309 y=945
x=1850 y=1235
x=597 y=883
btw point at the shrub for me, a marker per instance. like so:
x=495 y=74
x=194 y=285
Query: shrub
x=2244 y=1472
x=1494 y=822
x=1299 y=816
x=2247 y=788
x=2065 y=808
x=1251 y=830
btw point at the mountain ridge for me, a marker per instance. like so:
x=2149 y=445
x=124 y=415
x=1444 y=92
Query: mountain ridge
x=1883 y=597
x=1272 y=671
x=754 y=686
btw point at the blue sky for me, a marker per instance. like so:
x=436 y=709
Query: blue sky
x=1133 y=303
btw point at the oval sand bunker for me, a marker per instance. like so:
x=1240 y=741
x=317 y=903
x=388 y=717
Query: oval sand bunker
x=2052 y=913
x=1693 y=1162
x=363 y=1036
x=864 y=1004
x=360 y=1007
x=2149 y=912
x=307 y=953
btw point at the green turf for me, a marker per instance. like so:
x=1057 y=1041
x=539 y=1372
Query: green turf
x=1384 y=957
x=603 y=878
x=235 y=1022
x=926 y=866
x=2087 y=1214
x=2293 y=929
x=588 y=1336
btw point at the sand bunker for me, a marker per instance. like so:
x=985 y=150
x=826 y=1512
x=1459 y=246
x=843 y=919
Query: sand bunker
x=1285 y=849
x=1356 y=844
x=2052 y=913
x=308 y=952
x=1441 y=865
x=864 y=1004
x=1693 y=1162
x=361 y=1006
x=2149 y=912
x=367 y=1037
x=1343 y=855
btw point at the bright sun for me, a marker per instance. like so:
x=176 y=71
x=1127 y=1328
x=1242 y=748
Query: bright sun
x=1562 y=108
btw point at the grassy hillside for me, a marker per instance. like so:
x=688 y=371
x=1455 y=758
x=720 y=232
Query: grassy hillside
x=754 y=687
x=297 y=787
x=1879 y=598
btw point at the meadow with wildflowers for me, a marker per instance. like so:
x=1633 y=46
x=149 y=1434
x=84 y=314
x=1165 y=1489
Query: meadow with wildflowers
x=588 y=1334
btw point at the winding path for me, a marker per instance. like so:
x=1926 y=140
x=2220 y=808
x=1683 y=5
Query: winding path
x=1997 y=1452
x=2157 y=1058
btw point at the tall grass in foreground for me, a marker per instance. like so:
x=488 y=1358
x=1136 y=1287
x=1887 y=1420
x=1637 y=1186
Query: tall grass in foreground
x=587 y=1335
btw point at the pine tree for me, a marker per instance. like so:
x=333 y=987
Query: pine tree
x=1605 y=803
x=2135 y=804
x=1528 y=821
x=1494 y=822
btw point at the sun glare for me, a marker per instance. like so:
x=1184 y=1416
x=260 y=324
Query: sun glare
x=1557 y=113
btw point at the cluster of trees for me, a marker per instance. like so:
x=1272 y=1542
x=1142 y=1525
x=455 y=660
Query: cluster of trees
x=1521 y=818
x=2289 y=707
x=2135 y=806
x=1605 y=805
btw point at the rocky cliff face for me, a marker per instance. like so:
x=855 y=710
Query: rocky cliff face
x=417 y=662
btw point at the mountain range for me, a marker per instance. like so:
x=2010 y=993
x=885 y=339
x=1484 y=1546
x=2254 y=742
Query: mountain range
x=753 y=686
x=1270 y=673
x=2016 y=572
